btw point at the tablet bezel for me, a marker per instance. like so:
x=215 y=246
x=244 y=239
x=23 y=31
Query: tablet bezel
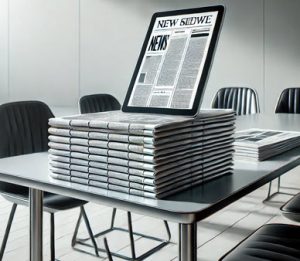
x=205 y=72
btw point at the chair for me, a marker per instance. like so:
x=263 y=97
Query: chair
x=291 y=209
x=23 y=130
x=272 y=241
x=288 y=102
x=243 y=100
x=100 y=103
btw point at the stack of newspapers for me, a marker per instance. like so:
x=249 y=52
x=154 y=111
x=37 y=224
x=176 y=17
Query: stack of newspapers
x=261 y=144
x=148 y=155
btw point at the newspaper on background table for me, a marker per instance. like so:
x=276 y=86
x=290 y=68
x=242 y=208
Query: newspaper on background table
x=261 y=144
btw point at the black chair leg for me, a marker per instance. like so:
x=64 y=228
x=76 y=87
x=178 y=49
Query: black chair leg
x=168 y=229
x=8 y=226
x=269 y=191
x=52 y=237
x=73 y=242
x=132 y=245
x=88 y=226
x=107 y=250
x=113 y=217
x=270 y=187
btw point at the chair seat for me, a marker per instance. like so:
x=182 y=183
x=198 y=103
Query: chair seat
x=291 y=209
x=274 y=242
x=59 y=202
x=52 y=202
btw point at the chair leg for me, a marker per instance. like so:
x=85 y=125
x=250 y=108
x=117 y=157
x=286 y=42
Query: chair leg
x=113 y=216
x=132 y=245
x=8 y=226
x=269 y=192
x=168 y=230
x=73 y=242
x=270 y=185
x=107 y=250
x=52 y=237
x=88 y=226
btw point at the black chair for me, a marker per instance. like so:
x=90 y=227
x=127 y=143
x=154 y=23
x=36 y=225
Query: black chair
x=98 y=102
x=272 y=241
x=288 y=102
x=243 y=100
x=106 y=102
x=291 y=209
x=23 y=130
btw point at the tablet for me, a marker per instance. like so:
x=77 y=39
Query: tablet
x=174 y=63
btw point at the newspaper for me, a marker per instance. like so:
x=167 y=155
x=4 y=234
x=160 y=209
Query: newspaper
x=150 y=142
x=195 y=176
x=135 y=123
x=135 y=167
x=173 y=62
x=150 y=149
x=156 y=172
x=142 y=193
x=261 y=144
x=158 y=157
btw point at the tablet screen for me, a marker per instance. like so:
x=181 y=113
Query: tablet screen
x=174 y=63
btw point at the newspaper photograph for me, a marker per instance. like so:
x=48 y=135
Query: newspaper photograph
x=261 y=137
x=261 y=144
x=173 y=62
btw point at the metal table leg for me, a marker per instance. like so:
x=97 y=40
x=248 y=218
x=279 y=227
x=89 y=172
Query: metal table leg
x=36 y=224
x=188 y=242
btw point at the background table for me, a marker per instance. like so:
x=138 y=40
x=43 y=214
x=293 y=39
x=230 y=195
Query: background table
x=184 y=208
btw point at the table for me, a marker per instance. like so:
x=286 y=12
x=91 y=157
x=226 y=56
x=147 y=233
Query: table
x=185 y=208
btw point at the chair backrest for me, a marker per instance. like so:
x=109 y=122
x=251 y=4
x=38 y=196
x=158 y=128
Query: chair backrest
x=243 y=100
x=23 y=128
x=289 y=101
x=98 y=103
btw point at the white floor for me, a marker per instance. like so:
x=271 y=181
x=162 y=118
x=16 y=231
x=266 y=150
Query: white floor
x=216 y=234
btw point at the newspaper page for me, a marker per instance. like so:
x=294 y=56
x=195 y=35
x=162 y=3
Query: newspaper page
x=260 y=144
x=173 y=62
x=258 y=138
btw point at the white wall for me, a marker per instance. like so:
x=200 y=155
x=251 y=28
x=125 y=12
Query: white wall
x=238 y=60
x=108 y=57
x=59 y=50
x=3 y=50
x=43 y=50
x=282 y=53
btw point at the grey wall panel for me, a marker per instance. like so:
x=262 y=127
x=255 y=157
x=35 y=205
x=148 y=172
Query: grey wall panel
x=282 y=48
x=3 y=50
x=43 y=53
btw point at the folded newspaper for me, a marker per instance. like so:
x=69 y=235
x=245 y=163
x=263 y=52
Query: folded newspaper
x=142 y=154
x=261 y=144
